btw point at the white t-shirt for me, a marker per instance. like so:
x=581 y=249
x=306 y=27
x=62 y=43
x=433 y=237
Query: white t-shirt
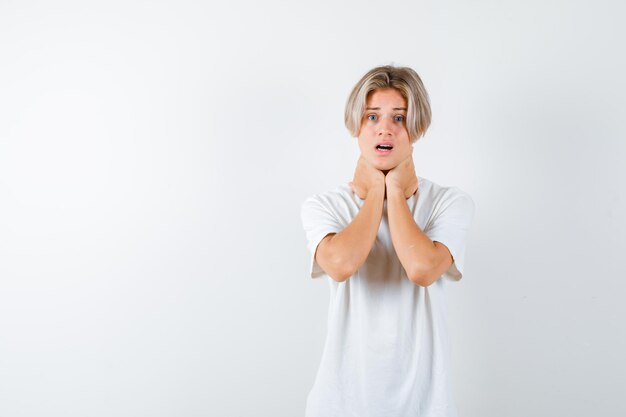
x=386 y=352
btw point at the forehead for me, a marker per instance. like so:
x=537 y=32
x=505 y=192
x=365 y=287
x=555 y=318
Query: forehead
x=387 y=97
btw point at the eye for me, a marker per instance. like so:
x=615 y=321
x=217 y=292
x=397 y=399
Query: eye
x=399 y=118
x=372 y=117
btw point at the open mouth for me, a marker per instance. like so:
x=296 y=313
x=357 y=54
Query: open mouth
x=384 y=147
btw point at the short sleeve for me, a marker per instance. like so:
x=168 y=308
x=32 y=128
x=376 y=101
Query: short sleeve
x=318 y=221
x=450 y=226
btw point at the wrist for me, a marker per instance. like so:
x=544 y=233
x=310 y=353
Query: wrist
x=394 y=189
x=376 y=192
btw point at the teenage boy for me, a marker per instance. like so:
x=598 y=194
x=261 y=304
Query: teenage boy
x=387 y=243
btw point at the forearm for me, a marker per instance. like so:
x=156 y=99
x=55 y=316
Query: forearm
x=347 y=250
x=415 y=250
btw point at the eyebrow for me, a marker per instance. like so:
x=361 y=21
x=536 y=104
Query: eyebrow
x=378 y=108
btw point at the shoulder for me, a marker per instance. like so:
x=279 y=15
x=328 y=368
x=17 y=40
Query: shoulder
x=441 y=196
x=337 y=207
x=339 y=196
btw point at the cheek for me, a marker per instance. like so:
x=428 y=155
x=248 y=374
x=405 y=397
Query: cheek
x=405 y=150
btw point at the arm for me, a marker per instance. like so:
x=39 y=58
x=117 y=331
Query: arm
x=423 y=260
x=341 y=254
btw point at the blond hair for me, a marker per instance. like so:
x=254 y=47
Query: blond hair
x=408 y=84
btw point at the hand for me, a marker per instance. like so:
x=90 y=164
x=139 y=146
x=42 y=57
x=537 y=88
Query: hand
x=366 y=178
x=403 y=178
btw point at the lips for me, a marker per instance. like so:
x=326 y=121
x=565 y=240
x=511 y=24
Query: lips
x=383 y=148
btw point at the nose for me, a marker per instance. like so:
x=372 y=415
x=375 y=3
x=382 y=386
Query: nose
x=384 y=127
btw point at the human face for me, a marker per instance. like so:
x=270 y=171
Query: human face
x=384 y=123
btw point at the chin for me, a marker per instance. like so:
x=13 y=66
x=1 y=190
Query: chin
x=382 y=164
x=385 y=166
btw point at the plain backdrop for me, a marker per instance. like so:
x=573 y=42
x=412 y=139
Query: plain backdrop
x=154 y=157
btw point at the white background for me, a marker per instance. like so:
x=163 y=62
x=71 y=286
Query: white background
x=154 y=156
